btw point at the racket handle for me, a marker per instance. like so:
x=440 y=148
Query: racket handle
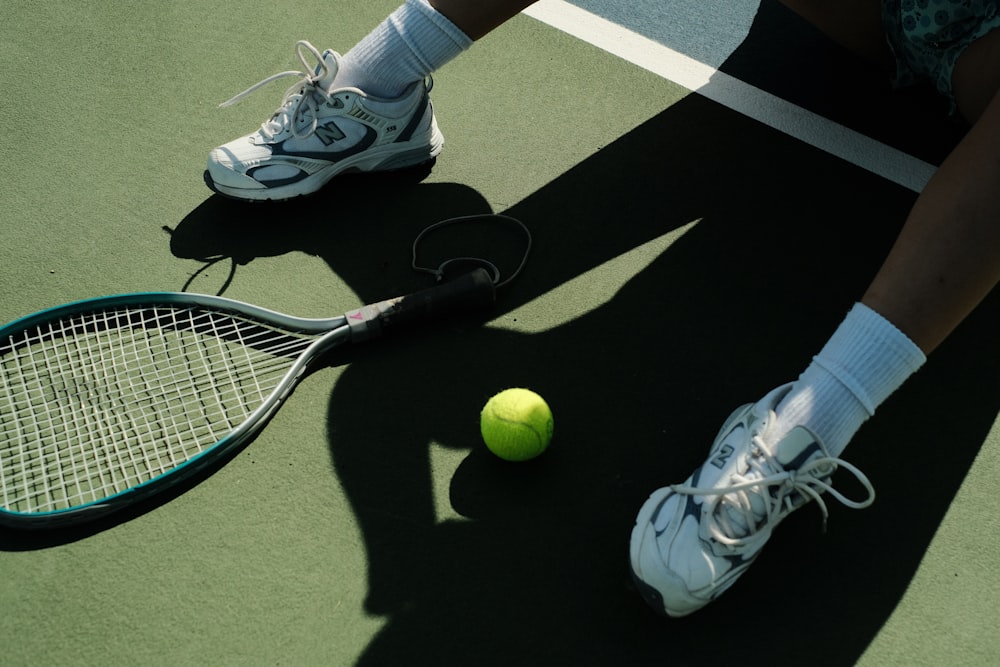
x=472 y=290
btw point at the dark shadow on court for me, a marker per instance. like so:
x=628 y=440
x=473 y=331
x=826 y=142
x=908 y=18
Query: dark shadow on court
x=785 y=241
x=536 y=573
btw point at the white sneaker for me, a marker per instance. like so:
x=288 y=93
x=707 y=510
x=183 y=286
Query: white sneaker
x=692 y=541
x=320 y=131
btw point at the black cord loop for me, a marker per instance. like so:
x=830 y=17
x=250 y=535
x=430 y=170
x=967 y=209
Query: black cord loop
x=492 y=268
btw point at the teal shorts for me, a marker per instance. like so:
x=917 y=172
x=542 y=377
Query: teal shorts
x=928 y=36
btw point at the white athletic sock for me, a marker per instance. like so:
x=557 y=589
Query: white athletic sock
x=862 y=364
x=414 y=41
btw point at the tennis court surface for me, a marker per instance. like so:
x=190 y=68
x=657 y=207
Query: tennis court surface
x=698 y=197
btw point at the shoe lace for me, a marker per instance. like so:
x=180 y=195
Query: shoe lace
x=740 y=511
x=301 y=101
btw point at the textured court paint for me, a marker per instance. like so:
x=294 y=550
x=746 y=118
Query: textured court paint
x=265 y=563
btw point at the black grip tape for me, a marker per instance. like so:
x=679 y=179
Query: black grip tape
x=469 y=291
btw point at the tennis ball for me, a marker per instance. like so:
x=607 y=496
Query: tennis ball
x=516 y=424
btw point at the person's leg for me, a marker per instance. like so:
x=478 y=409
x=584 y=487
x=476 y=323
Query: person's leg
x=692 y=541
x=943 y=264
x=476 y=18
x=947 y=257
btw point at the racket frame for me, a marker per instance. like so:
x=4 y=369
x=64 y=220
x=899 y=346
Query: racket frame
x=474 y=289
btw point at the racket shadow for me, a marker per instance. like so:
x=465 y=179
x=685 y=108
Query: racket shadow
x=13 y=539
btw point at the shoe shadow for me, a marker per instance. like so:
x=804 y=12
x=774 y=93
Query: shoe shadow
x=359 y=236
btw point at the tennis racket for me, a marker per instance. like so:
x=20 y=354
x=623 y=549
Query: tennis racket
x=107 y=401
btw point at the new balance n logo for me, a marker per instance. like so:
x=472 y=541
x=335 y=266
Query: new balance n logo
x=329 y=133
x=720 y=459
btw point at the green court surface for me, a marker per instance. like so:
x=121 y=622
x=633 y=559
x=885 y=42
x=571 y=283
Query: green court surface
x=686 y=259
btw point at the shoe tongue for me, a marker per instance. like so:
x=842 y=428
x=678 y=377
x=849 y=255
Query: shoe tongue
x=790 y=453
x=797 y=447
x=332 y=61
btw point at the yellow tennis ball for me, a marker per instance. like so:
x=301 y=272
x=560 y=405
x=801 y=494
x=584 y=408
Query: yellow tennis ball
x=516 y=424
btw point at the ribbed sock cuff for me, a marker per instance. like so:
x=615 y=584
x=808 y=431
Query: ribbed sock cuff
x=413 y=42
x=870 y=356
x=865 y=361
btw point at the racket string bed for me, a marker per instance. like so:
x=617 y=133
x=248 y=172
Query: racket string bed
x=101 y=402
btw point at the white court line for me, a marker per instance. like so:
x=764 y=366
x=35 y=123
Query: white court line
x=813 y=129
